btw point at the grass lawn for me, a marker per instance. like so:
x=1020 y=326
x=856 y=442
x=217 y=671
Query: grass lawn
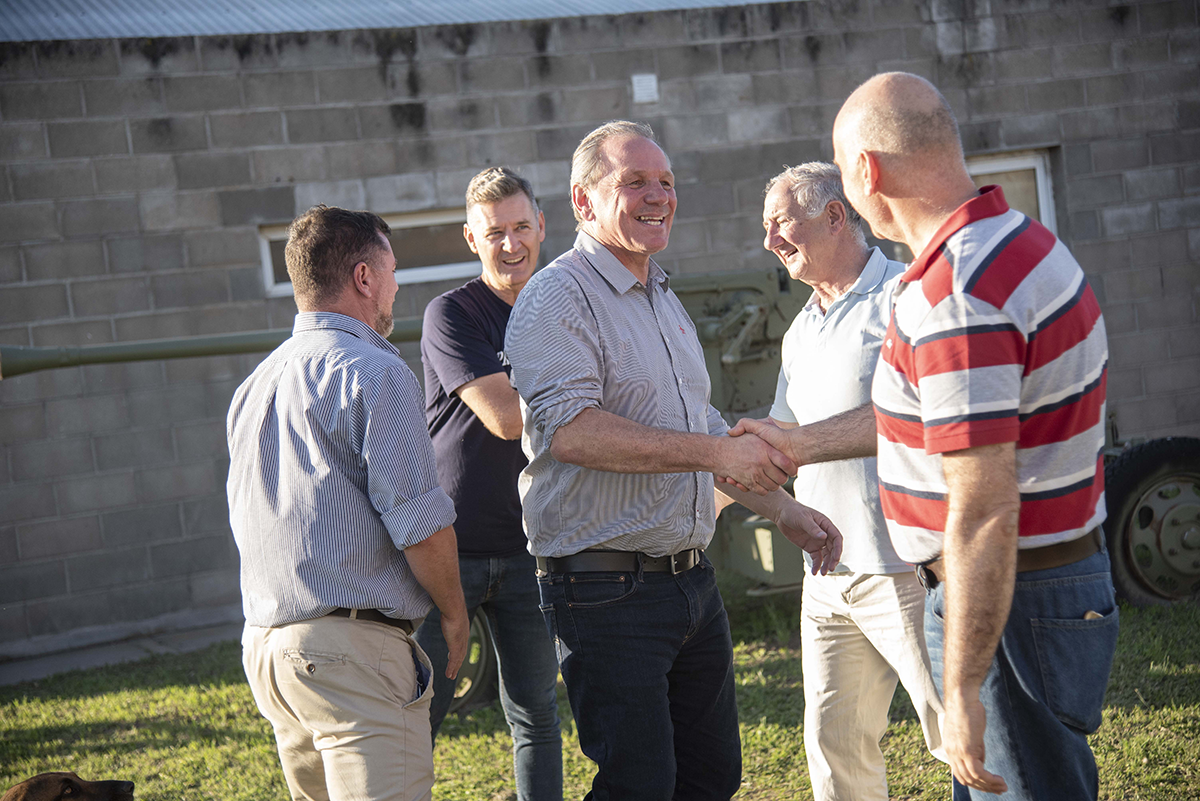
x=185 y=726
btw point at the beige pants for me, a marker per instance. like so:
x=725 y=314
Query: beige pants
x=859 y=633
x=343 y=698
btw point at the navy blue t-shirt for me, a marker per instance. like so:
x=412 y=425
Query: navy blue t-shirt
x=463 y=339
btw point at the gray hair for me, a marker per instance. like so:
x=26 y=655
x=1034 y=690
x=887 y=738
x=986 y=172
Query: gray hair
x=815 y=185
x=496 y=184
x=587 y=165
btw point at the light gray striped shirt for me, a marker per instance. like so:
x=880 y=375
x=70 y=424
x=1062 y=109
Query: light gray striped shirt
x=331 y=476
x=583 y=334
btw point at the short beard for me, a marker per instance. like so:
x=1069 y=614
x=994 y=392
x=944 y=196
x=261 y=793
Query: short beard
x=384 y=323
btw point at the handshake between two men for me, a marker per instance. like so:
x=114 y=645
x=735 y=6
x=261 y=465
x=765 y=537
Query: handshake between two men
x=759 y=457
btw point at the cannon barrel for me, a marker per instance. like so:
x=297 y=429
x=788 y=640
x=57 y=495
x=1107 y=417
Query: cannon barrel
x=16 y=360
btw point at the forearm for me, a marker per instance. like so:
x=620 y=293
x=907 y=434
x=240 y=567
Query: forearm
x=769 y=506
x=980 y=559
x=495 y=403
x=601 y=440
x=980 y=553
x=849 y=435
x=434 y=563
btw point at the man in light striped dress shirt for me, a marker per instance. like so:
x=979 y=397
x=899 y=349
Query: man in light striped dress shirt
x=344 y=534
x=618 y=495
x=989 y=410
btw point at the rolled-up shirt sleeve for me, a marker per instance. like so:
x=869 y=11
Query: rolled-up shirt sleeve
x=402 y=480
x=553 y=345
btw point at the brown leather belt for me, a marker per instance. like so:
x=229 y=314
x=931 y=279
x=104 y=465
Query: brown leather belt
x=933 y=573
x=619 y=562
x=375 y=616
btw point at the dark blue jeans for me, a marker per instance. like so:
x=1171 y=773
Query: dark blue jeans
x=507 y=591
x=648 y=664
x=1045 y=690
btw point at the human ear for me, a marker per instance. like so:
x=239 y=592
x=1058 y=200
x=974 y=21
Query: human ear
x=869 y=170
x=362 y=277
x=837 y=216
x=469 y=235
x=582 y=203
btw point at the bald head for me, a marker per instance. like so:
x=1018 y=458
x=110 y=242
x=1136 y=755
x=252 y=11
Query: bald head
x=899 y=115
x=896 y=143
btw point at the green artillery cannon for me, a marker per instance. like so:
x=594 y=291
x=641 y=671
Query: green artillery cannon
x=1153 y=487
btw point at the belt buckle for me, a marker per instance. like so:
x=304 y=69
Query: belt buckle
x=675 y=565
x=925 y=577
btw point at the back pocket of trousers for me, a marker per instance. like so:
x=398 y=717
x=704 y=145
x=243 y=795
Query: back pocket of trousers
x=1075 y=657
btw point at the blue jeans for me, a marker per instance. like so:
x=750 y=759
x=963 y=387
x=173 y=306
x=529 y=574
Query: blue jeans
x=648 y=664
x=507 y=591
x=1045 y=689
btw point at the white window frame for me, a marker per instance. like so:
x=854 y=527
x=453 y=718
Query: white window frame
x=409 y=275
x=1039 y=162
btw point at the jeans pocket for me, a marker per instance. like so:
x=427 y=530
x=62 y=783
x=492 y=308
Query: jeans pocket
x=591 y=590
x=1075 y=657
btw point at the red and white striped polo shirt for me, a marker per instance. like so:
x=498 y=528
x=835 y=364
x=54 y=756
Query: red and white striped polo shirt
x=995 y=337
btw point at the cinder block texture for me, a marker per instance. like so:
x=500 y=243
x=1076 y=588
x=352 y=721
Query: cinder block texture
x=139 y=179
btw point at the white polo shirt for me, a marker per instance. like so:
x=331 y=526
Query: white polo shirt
x=828 y=365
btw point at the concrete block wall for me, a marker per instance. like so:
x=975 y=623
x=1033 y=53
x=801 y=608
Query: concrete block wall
x=135 y=174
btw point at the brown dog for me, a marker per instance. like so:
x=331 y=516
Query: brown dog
x=56 y=786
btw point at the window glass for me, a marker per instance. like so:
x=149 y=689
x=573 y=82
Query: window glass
x=429 y=246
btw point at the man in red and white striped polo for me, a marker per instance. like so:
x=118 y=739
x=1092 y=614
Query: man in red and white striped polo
x=989 y=407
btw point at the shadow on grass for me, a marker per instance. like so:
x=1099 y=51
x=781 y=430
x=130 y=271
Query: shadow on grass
x=218 y=665
x=67 y=743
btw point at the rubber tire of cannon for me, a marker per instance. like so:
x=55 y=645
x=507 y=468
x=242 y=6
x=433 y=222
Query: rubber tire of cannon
x=477 y=685
x=1138 y=487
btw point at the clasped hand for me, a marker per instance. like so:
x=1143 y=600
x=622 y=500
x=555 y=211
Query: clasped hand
x=753 y=465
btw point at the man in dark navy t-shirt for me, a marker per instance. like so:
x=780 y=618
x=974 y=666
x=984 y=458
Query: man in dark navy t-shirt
x=474 y=419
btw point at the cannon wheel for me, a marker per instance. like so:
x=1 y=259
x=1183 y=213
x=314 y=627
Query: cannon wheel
x=477 y=677
x=1153 y=525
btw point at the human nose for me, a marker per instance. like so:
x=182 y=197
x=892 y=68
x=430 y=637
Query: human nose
x=657 y=193
x=770 y=236
x=510 y=243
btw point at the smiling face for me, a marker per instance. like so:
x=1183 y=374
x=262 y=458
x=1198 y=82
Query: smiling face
x=507 y=237
x=632 y=206
x=799 y=241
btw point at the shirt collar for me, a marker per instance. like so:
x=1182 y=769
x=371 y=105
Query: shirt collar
x=989 y=202
x=610 y=267
x=333 y=321
x=870 y=277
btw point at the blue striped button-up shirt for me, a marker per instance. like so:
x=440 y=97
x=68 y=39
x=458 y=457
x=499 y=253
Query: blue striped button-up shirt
x=331 y=476
x=585 y=333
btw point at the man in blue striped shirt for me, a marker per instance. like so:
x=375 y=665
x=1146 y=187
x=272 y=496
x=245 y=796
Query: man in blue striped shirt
x=618 y=495
x=345 y=536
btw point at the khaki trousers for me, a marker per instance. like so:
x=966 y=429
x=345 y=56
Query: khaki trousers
x=351 y=720
x=859 y=633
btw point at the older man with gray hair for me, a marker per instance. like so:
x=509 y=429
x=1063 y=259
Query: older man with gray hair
x=861 y=625
x=618 y=495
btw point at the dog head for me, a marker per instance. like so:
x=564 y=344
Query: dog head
x=68 y=787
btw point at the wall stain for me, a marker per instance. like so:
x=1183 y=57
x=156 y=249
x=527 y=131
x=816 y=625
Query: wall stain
x=812 y=46
x=410 y=116
x=160 y=130
x=541 y=41
x=1118 y=15
x=14 y=51
x=84 y=50
x=457 y=38
x=544 y=105
x=387 y=43
x=153 y=50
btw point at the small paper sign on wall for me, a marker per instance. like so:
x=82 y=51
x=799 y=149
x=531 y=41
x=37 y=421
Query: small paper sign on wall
x=645 y=88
